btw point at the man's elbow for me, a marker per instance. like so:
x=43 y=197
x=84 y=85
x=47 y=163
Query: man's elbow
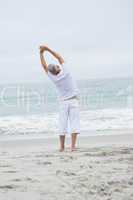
x=61 y=60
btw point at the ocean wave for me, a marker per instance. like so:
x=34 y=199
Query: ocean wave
x=91 y=120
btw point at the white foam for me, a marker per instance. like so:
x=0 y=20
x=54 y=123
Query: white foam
x=92 y=120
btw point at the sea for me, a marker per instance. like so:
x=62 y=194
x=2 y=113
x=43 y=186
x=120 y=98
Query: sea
x=31 y=109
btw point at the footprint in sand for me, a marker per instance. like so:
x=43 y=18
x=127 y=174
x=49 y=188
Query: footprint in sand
x=24 y=179
x=59 y=172
x=2 y=166
x=31 y=180
x=8 y=187
x=67 y=158
x=44 y=163
x=11 y=171
x=16 y=180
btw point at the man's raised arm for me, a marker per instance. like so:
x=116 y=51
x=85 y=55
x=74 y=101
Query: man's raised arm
x=43 y=61
x=55 y=54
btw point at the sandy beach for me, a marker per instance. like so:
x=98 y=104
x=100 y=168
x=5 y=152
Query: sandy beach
x=101 y=169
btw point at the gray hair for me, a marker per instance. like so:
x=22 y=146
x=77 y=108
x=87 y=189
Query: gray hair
x=51 y=67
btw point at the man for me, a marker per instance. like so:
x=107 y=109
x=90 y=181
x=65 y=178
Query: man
x=68 y=93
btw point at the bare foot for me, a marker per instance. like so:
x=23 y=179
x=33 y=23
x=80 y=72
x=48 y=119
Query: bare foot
x=61 y=149
x=73 y=149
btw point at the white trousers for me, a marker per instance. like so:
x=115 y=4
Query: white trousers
x=69 y=116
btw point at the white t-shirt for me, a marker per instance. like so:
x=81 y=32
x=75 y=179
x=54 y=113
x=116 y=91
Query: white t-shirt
x=64 y=83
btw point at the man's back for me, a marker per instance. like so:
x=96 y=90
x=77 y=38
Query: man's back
x=65 y=83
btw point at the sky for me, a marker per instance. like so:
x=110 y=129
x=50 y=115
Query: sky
x=95 y=37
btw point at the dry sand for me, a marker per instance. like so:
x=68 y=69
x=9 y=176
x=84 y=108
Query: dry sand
x=100 y=169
